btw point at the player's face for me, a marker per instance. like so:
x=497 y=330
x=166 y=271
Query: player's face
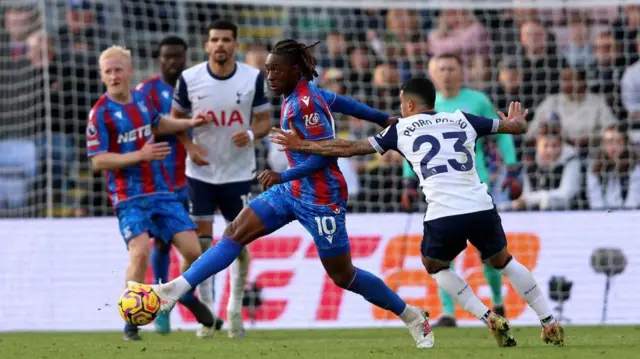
x=173 y=59
x=221 y=46
x=448 y=73
x=116 y=72
x=404 y=105
x=280 y=74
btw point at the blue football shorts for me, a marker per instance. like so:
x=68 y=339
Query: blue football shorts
x=162 y=215
x=276 y=207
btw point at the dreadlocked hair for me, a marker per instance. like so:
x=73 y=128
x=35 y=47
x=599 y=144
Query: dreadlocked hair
x=301 y=56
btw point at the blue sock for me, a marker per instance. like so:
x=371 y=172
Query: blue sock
x=160 y=264
x=213 y=261
x=376 y=292
x=130 y=327
x=189 y=297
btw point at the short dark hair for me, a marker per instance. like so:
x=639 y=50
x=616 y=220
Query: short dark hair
x=450 y=55
x=223 y=24
x=423 y=88
x=172 y=40
x=300 y=54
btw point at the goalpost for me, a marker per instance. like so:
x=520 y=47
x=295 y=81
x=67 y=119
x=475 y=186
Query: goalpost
x=49 y=81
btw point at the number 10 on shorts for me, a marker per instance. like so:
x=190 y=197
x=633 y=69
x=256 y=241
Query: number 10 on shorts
x=326 y=227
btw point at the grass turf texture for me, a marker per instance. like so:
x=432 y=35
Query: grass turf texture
x=475 y=343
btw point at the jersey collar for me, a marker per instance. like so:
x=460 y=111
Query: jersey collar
x=235 y=67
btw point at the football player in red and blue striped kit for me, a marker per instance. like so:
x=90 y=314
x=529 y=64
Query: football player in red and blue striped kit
x=120 y=141
x=313 y=191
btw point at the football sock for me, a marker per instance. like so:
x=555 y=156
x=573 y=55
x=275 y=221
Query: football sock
x=200 y=311
x=212 y=261
x=206 y=288
x=448 y=305
x=459 y=289
x=526 y=286
x=494 y=278
x=238 y=272
x=376 y=292
x=160 y=264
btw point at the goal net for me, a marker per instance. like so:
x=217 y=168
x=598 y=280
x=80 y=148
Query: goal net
x=573 y=64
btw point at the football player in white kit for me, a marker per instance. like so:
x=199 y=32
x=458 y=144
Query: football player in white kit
x=221 y=163
x=440 y=148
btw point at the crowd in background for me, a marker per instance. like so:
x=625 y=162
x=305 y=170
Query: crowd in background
x=577 y=71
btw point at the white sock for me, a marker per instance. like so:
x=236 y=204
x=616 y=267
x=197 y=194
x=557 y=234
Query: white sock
x=409 y=315
x=238 y=272
x=457 y=288
x=527 y=287
x=176 y=288
x=205 y=292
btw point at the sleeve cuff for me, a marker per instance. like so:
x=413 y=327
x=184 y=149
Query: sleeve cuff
x=495 y=125
x=376 y=145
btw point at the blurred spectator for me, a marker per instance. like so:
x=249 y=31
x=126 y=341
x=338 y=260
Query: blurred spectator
x=459 y=32
x=582 y=115
x=540 y=64
x=604 y=76
x=579 y=52
x=386 y=84
x=401 y=24
x=479 y=72
x=19 y=22
x=630 y=91
x=415 y=57
x=626 y=31
x=334 y=51
x=552 y=181
x=361 y=62
x=613 y=179
x=82 y=31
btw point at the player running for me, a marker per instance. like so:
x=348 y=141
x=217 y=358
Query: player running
x=172 y=57
x=440 y=147
x=312 y=191
x=221 y=165
x=120 y=141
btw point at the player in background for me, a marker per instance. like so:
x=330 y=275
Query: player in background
x=440 y=147
x=172 y=58
x=447 y=73
x=312 y=191
x=120 y=140
x=221 y=165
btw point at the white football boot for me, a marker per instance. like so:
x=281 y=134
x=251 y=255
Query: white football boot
x=236 y=326
x=166 y=303
x=205 y=332
x=421 y=330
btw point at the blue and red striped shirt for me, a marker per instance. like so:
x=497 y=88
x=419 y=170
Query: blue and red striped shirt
x=161 y=94
x=125 y=128
x=307 y=111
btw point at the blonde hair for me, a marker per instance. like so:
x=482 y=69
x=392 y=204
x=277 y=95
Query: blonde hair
x=115 y=50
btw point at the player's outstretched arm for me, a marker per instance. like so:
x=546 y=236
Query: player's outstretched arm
x=514 y=122
x=170 y=126
x=332 y=148
x=353 y=108
x=150 y=151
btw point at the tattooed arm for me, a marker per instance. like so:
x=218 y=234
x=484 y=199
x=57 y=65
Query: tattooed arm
x=334 y=148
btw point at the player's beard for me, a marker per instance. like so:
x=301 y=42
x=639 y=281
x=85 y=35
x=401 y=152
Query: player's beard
x=221 y=61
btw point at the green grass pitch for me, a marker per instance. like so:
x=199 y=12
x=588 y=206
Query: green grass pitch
x=451 y=343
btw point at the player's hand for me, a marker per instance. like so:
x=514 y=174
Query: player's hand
x=200 y=119
x=269 y=178
x=392 y=120
x=288 y=140
x=518 y=204
x=198 y=155
x=152 y=151
x=240 y=138
x=408 y=198
x=515 y=112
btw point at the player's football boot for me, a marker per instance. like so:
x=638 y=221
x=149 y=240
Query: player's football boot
x=421 y=330
x=219 y=323
x=205 y=332
x=236 y=326
x=163 y=326
x=553 y=333
x=499 y=328
x=499 y=309
x=166 y=303
x=445 y=321
x=131 y=334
